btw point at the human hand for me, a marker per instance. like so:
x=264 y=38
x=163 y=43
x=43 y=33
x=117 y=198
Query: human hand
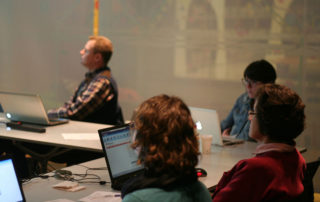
x=226 y=132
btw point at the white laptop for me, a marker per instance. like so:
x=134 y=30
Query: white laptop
x=207 y=123
x=26 y=108
x=10 y=188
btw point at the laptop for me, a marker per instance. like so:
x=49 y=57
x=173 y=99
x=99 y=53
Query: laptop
x=10 y=188
x=121 y=159
x=207 y=123
x=26 y=108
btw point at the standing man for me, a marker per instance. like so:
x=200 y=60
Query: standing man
x=255 y=75
x=96 y=98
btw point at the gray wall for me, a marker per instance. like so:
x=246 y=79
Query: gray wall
x=194 y=49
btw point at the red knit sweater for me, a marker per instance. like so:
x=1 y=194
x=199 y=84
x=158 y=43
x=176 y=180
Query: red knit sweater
x=269 y=176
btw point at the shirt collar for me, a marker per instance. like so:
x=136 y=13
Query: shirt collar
x=89 y=75
x=279 y=147
x=247 y=99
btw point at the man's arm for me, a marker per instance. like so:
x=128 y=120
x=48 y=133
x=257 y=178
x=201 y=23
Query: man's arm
x=228 y=122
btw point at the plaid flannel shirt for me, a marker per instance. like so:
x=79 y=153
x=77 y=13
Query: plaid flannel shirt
x=93 y=91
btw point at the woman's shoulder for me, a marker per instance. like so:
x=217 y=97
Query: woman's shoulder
x=269 y=161
x=254 y=163
x=243 y=98
x=193 y=192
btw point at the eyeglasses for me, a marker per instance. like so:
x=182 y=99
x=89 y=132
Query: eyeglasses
x=247 y=82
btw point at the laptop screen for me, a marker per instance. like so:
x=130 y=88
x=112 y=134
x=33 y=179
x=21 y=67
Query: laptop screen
x=121 y=158
x=10 y=189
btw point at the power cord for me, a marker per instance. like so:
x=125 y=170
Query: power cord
x=94 y=176
x=69 y=176
x=80 y=178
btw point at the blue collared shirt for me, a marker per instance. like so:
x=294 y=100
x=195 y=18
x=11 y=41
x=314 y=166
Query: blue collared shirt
x=237 y=119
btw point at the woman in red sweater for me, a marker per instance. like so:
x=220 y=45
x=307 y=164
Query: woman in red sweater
x=276 y=172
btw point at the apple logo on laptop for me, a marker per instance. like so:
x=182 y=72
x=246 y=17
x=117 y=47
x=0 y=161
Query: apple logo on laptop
x=8 y=115
x=199 y=125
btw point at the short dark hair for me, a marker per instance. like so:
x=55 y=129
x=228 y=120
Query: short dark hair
x=103 y=46
x=260 y=70
x=280 y=112
x=166 y=136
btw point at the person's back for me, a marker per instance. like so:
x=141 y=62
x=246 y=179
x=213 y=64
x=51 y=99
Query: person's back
x=109 y=111
x=168 y=149
x=195 y=192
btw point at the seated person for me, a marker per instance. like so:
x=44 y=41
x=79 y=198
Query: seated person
x=96 y=98
x=255 y=75
x=277 y=170
x=168 y=148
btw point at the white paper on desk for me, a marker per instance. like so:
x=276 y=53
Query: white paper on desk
x=68 y=186
x=102 y=196
x=80 y=136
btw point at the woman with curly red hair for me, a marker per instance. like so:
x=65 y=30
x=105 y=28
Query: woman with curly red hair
x=168 y=149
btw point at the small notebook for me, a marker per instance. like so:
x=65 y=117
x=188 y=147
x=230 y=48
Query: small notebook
x=10 y=188
x=26 y=108
x=121 y=159
x=207 y=123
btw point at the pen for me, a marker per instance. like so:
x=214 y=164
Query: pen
x=112 y=195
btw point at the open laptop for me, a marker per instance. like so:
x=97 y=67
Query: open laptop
x=121 y=159
x=207 y=123
x=26 y=108
x=10 y=188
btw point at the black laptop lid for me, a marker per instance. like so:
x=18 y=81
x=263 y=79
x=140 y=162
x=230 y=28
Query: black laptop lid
x=10 y=188
x=121 y=159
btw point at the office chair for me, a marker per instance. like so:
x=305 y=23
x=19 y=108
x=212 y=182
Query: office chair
x=308 y=193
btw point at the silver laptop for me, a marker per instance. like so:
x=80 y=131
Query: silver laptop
x=10 y=188
x=26 y=108
x=121 y=159
x=207 y=123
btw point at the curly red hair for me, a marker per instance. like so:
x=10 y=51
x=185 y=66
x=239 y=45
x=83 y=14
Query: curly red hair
x=166 y=135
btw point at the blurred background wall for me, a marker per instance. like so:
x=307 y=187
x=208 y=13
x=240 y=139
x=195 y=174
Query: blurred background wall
x=195 y=49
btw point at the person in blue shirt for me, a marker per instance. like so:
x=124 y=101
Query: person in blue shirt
x=255 y=75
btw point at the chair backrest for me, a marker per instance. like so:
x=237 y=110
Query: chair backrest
x=308 y=193
x=312 y=168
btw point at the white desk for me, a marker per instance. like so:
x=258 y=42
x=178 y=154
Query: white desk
x=53 y=135
x=39 y=190
x=220 y=160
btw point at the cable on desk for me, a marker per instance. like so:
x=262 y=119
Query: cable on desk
x=101 y=168
x=101 y=182
x=86 y=177
x=69 y=176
